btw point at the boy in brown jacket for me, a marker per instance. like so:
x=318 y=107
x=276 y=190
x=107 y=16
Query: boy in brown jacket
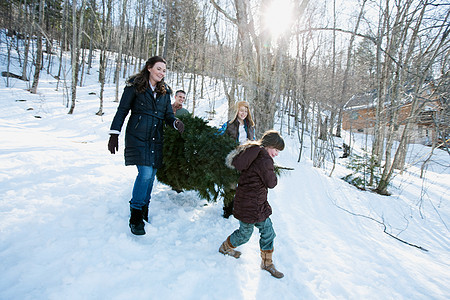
x=251 y=208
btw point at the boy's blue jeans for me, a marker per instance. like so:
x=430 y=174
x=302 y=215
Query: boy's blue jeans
x=143 y=186
x=243 y=234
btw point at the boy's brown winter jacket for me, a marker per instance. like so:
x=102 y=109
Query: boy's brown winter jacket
x=257 y=175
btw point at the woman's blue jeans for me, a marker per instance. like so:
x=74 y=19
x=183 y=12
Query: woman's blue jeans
x=143 y=187
x=243 y=234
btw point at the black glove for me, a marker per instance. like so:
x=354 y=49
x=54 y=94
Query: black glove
x=113 y=144
x=179 y=126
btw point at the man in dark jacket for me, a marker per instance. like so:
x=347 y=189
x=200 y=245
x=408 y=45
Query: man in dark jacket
x=148 y=98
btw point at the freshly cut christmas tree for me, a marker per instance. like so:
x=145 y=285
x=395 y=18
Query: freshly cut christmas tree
x=195 y=160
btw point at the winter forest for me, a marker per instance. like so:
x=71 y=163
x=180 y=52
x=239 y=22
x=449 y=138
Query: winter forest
x=360 y=87
x=290 y=59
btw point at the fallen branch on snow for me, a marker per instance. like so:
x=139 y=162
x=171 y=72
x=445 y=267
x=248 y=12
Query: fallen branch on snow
x=382 y=224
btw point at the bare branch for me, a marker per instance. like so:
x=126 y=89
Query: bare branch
x=220 y=9
x=384 y=227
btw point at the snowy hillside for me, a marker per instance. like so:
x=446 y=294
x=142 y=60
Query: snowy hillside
x=64 y=219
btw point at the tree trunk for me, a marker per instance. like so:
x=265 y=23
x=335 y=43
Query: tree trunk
x=425 y=58
x=119 y=56
x=158 y=27
x=344 y=91
x=38 y=63
x=28 y=32
x=91 y=36
x=82 y=65
x=103 y=53
x=73 y=55
x=75 y=51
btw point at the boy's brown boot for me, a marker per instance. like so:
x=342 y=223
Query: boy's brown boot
x=227 y=249
x=267 y=264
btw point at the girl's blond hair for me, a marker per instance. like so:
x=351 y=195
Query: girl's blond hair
x=249 y=118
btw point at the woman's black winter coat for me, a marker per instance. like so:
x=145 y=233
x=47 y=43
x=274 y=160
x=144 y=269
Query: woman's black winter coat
x=144 y=133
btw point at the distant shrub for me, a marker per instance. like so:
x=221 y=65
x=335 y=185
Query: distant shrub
x=366 y=173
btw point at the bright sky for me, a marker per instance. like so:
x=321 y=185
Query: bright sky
x=277 y=17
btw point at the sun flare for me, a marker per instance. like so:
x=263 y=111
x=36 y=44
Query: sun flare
x=278 y=17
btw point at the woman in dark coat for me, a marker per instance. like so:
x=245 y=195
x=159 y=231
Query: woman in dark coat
x=148 y=98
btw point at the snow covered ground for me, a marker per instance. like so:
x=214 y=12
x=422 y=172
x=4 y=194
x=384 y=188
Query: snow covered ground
x=64 y=219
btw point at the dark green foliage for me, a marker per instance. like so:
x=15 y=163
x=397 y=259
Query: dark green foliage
x=280 y=170
x=195 y=160
x=362 y=172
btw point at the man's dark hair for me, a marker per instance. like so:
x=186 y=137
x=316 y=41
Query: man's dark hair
x=180 y=91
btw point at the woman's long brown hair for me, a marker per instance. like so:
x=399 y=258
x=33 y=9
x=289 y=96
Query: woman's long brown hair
x=141 y=80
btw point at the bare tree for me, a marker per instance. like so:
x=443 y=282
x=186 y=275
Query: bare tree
x=344 y=92
x=105 y=32
x=38 y=62
x=28 y=30
x=260 y=64
x=425 y=58
x=93 y=18
x=63 y=43
x=75 y=49
x=119 y=55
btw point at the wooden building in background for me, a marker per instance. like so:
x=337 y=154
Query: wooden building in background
x=430 y=125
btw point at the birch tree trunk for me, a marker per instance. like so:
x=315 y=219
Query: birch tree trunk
x=91 y=36
x=63 y=42
x=103 y=53
x=28 y=30
x=75 y=51
x=333 y=78
x=73 y=55
x=158 y=27
x=379 y=128
x=119 y=55
x=425 y=60
x=38 y=63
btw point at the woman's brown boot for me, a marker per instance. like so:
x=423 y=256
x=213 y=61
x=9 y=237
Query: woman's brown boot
x=227 y=249
x=267 y=264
